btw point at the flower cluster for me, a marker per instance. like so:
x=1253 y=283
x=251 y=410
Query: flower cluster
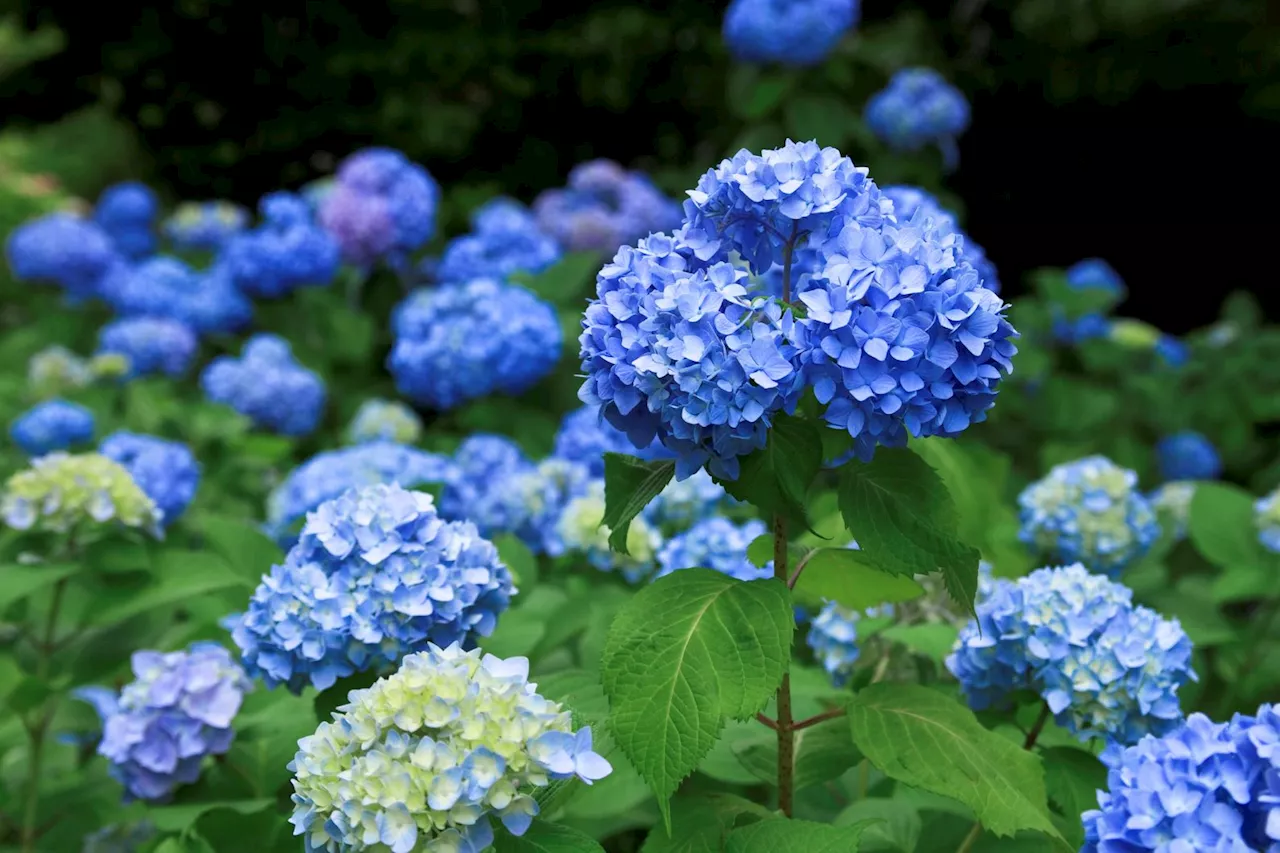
x=384 y=420
x=683 y=503
x=205 y=225
x=1266 y=518
x=375 y=575
x=833 y=636
x=918 y=108
x=1095 y=274
x=61 y=492
x=1070 y=332
x=64 y=250
x=287 y=251
x=209 y=301
x=789 y=32
x=913 y=204
x=1188 y=456
x=1088 y=511
x=602 y=207
x=52 y=425
x=1205 y=786
x=470 y=339
x=164 y=469
x=177 y=711
x=585 y=437
x=580 y=531
x=1104 y=666
x=505 y=239
x=127 y=213
x=479 y=462
x=1173 y=352
x=715 y=543
x=421 y=760
x=1172 y=503
x=267 y=386
x=151 y=344
x=381 y=206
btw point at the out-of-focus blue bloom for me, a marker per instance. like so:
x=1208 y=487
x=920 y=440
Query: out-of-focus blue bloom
x=585 y=437
x=1104 y=667
x=165 y=470
x=478 y=462
x=502 y=213
x=1088 y=511
x=1266 y=518
x=287 y=251
x=424 y=759
x=506 y=240
x=1071 y=332
x=381 y=206
x=913 y=204
x=208 y=301
x=1095 y=273
x=384 y=420
x=267 y=386
x=684 y=503
x=918 y=108
x=328 y=475
x=833 y=636
x=119 y=839
x=716 y=543
x=161 y=727
x=1188 y=456
x=466 y=340
x=1172 y=351
x=529 y=503
x=76 y=496
x=205 y=225
x=127 y=213
x=375 y=575
x=604 y=206
x=1257 y=739
x=52 y=425
x=580 y=530
x=62 y=249
x=789 y=32
x=1172 y=503
x=151 y=344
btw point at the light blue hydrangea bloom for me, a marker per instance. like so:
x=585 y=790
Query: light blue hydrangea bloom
x=1266 y=518
x=52 y=425
x=165 y=470
x=1088 y=511
x=381 y=206
x=177 y=711
x=506 y=239
x=375 y=575
x=425 y=757
x=1095 y=273
x=384 y=420
x=1172 y=503
x=1188 y=455
x=716 y=543
x=789 y=32
x=478 y=462
x=287 y=251
x=585 y=437
x=466 y=340
x=683 y=503
x=63 y=250
x=602 y=207
x=268 y=386
x=1105 y=667
x=918 y=108
x=580 y=531
x=207 y=301
x=205 y=225
x=529 y=503
x=151 y=344
x=914 y=204
x=127 y=213
x=833 y=636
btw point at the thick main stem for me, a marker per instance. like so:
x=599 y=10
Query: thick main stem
x=786 y=726
x=1032 y=735
x=36 y=733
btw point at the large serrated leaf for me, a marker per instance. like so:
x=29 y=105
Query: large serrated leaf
x=797 y=836
x=629 y=485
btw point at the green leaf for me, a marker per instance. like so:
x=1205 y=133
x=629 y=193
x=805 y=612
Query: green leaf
x=898 y=830
x=182 y=818
x=17 y=581
x=687 y=652
x=843 y=575
x=1220 y=525
x=181 y=575
x=921 y=737
x=247 y=550
x=776 y=477
x=767 y=93
x=118 y=556
x=629 y=485
x=544 y=837
x=822 y=753
x=901 y=514
x=934 y=641
x=1073 y=778
x=700 y=824
x=797 y=836
x=518 y=557
x=579 y=690
x=567 y=281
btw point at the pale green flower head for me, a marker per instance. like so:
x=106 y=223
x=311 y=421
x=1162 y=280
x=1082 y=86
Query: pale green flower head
x=56 y=370
x=384 y=420
x=1134 y=333
x=62 y=492
x=581 y=530
x=109 y=365
x=1173 y=502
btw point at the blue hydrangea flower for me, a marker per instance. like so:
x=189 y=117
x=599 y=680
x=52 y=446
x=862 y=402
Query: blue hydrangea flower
x=384 y=420
x=918 y=108
x=914 y=204
x=205 y=225
x=151 y=344
x=528 y=502
x=177 y=711
x=1088 y=511
x=127 y=213
x=580 y=531
x=716 y=543
x=604 y=206
x=64 y=250
x=328 y=475
x=375 y=575
x=506 y=240
x=833 y=636
x=423 y=759
x=479 y=461
x=1188 y=455
x=466 y=340
x=52 y=425
x=684 y=503
x=165 y=470
x=208 y=301
x=1095 y=273
x=1257 y=739
x=287 y=251
x=1172 y=503
x=1266 y=518
x=1104 y=667
x=381 y=206
x=1072 y=332
x=267 y=386
x=789 y=32
x=585 y=437
x=1173 y=352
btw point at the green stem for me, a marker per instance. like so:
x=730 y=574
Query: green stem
x=36 y=732
x=1032 y=735
x=786 y=728
x=970 y=839
x=864 y=778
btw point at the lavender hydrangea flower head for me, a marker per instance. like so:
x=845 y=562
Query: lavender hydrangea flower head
x=789 y=32
x=1104 y=667
x=684 y=503
x=127 y=213
x=61 y=493
x=918 y=108
x=55 y=370
x=585 y=437
x=1088 y=511
x=166 y=470
x=376 y=575
x=1188 y=455
x=52 y=425
x=1266 y=519
x=426 y=757
x=151 y=344
x=177 y=711
x=461 y=341
x=1172 y=503
x=268 y=386
x=715 y=543
x=1095 y=273
x=602 y=207
x=207 y=301
x=913 y=204
x=506 y=240
x=64 y=250
x=205 y=225
x=580 y=530
x=381 y=206
x=384 y=420
x=287 y=251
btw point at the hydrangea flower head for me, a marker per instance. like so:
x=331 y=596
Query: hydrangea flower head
x=789 y=32
x=268 y=386
x=375 y=575
x=1188 y=456
x=1173 y=352
x=1103 y=666
x=466 y=340
x=421 y=761
x=52 y=425
x=1266 y=518
x=208 y=301
x=381 y=206
x=64 y=250
x=151 y=344
x=529 y=502
x=684 y=503
x=384 y=420
x=913 y=204
x=205 y=225
x=833 y=636
x=1088 y=511
x=165 y=470
x=61 y=492
x=480 y=461
x=127 y=213
x=287 y=251
x=177 y=711
x=1095 y=273
x=1172 y=501
x=918 y=108
x=55 y=370
x=716 y=543
x=585 y=437
x=580 y=531
x=506 y=240
x=602 y=207
x=1084 y=328
x=1257 y=738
